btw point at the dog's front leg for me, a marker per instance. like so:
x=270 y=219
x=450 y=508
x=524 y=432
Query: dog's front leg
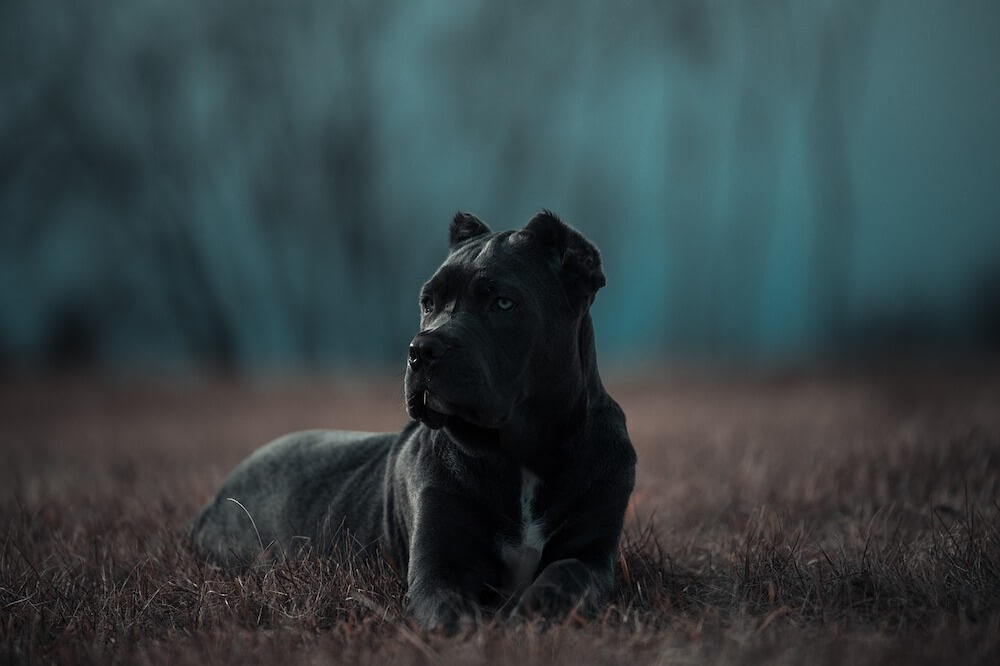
x=449 y=554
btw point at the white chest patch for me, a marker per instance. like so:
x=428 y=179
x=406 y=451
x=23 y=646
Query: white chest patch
x=522 y=556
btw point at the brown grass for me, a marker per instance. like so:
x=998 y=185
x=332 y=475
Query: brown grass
x=807 y=519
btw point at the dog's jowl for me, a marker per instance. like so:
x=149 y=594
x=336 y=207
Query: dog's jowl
x=507 y=491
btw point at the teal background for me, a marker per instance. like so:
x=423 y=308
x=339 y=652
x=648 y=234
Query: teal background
x=258 y=185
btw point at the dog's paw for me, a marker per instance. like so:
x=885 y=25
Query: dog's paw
x=563 y=587
x=443 y=612
x=545 y=601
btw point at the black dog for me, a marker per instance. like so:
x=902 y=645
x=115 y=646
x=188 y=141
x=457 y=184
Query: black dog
x=509 y=490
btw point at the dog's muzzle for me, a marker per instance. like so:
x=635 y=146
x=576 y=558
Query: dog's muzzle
x=425 y=349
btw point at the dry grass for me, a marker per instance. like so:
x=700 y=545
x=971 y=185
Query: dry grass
x=810 y=519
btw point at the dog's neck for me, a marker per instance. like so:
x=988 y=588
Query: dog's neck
x=552 y=423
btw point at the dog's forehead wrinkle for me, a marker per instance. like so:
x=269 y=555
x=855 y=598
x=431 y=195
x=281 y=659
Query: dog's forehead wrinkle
x=470 y=249
x=447 y=278
x=486 y=254
x=491 y=268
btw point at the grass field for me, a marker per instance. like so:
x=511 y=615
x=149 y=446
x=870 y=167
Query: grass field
x=823 y=517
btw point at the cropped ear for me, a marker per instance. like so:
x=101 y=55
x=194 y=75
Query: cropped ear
x=465 y=226
x=575 y=258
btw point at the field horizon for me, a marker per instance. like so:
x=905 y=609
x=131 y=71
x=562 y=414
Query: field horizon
x=809 y=516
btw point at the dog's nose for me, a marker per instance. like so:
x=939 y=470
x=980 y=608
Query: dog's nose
x=424 y=349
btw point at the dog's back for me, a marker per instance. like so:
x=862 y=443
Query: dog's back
x=282 y=495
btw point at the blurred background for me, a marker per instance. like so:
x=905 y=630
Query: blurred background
x=262 y=186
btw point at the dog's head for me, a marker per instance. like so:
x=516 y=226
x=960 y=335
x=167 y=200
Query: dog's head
x=500 y=322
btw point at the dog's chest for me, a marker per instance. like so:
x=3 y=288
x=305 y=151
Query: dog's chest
x=521 y=554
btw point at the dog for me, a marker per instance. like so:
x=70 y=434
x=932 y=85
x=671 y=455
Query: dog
x=507 y=491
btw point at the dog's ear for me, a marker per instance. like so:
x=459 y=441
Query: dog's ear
x=465 y=226
x=575 y=258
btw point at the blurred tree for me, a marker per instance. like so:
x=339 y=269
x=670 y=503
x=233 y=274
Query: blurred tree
x=838 y=85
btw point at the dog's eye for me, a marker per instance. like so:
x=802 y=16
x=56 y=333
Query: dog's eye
x=503 y=303
x=427 y=304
